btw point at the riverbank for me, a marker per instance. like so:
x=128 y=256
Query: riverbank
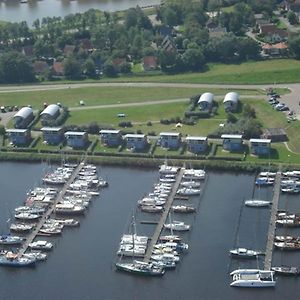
x=150 y=163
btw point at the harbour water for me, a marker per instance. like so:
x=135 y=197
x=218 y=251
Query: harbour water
x=81 y=266
x=15 y=11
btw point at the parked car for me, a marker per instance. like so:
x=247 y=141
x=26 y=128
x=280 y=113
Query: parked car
x=279 y=106
x=284 y=108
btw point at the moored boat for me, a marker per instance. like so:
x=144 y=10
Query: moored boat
x=18 y=227
x=253 y=279
x=183 y=209
x=141 y=268
x=257 y=203
x=27 y=216
x=41 y=245
x=245 y=253
x=286 y=271
x=188 y=191
x=177 y=226
x=12 y=260
x=7 y=239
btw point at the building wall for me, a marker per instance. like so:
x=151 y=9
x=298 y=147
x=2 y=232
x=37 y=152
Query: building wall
x=232 y=145
x=260 y=149
x=20 y=139
x=111 y=139
x=22 y=123
x=197 y=146
x=170 y=142
x=53 y=138
x=76 y=141
x=136 y=143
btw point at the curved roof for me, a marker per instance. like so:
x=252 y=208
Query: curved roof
x=24 y=113
x=206 y=97
x=51 y=110
x=231 y=96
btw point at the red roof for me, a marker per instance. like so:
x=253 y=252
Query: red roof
x=118 y=61
x=40 y=66
x=69 y=49
x=149 y=62
x=58 y=68
x=86 y=44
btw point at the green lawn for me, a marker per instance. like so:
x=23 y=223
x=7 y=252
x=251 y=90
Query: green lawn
x=253 y=72
x=108 y=95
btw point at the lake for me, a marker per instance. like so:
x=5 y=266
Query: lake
x=81 y=265
x=14 y=11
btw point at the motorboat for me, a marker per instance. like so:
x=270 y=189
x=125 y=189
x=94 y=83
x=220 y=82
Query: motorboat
x=245 y=253
x=166 y=257
x=37 y=255
x=141 y=268
x=177 y=226
x=27 y=216
x=41 y=245
x=183 y=209
x=257 y=203
x=68 y=222
x=286 y=238
x=69 y=209
x=166 y=179
x=290 y=246
x=12 y=260
x=50 y=231
x=151 y=208
x=290 y=190
x=29 y=209
x=267 y=174
x=7 y=239
x=191 y=184
x=188 y=191
x=176 y=246
x=18 y=227
x=194 y=174
x=286 y=271
x=288 y=222
x=166 y=265
x=253 y=279
x=170 y=238
x=264 y=181
x=148 y=201
x=165 y=169
x=132 y=250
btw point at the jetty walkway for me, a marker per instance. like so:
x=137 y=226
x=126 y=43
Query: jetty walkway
x=164 y=216
x=272 y=224
x=49 y=211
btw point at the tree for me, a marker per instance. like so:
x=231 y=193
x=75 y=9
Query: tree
x=15 y=68
x=72 y=68
x=125 y=68
x=109 y=69
x=89 y=68
x=248 y=111
x=294 y=44
x=292 y=17
x=193 y=59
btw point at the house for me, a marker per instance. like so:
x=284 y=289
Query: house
x=294 y=6
x=28 y=50
x=165 y=30
x=196 y=144
x=23 y=117
x=117 y=62
x=76 y=139
x=279 y=49
x=149 y=63
x=231 y=101
x=232 y=142
x=273 y=34
x=68 y=50
x=260 y=146
x=275 y=134
x=217 y=32
x=51 y=112
x=136 y=142
x=40 y=67
x=53 y=135
x=19 y=137
x=170 y=140
x=86 y=45
x=260 y=19
x=168 y=45
x=110 y=138
x=58 y=69
x=205 y=101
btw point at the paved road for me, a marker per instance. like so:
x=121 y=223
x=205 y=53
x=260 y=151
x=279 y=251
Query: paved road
x=292 y=99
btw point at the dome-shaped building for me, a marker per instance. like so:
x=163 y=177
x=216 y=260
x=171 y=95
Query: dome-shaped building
x=51 y=112
x=231 y=101
x=205 y=101
x=23 y=117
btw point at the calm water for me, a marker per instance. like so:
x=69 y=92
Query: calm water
x=81 y=265
x=14 y=11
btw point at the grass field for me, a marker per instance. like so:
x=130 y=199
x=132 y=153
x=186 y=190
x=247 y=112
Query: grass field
x=256 y=72
x=108 y=95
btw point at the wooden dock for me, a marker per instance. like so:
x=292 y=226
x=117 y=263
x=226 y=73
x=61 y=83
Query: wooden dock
x=164 y=216
x=46 y=215
x=272 y=224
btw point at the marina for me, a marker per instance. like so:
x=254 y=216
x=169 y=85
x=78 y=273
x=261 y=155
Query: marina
x=94 y=243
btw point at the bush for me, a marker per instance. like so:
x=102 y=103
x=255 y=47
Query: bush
x=125 y=124
x=149 y=123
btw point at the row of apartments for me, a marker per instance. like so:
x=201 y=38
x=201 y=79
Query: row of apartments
x=138 y=142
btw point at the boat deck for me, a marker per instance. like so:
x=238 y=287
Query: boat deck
x=164 y=216
x=272 y=224
x=50 y=210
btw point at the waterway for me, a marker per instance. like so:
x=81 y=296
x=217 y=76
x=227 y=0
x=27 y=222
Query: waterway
x=15 y=11
x=81 y=266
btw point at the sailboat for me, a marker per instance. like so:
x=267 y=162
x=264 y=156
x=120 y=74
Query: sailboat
x=136 y=266
x=257 y=202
